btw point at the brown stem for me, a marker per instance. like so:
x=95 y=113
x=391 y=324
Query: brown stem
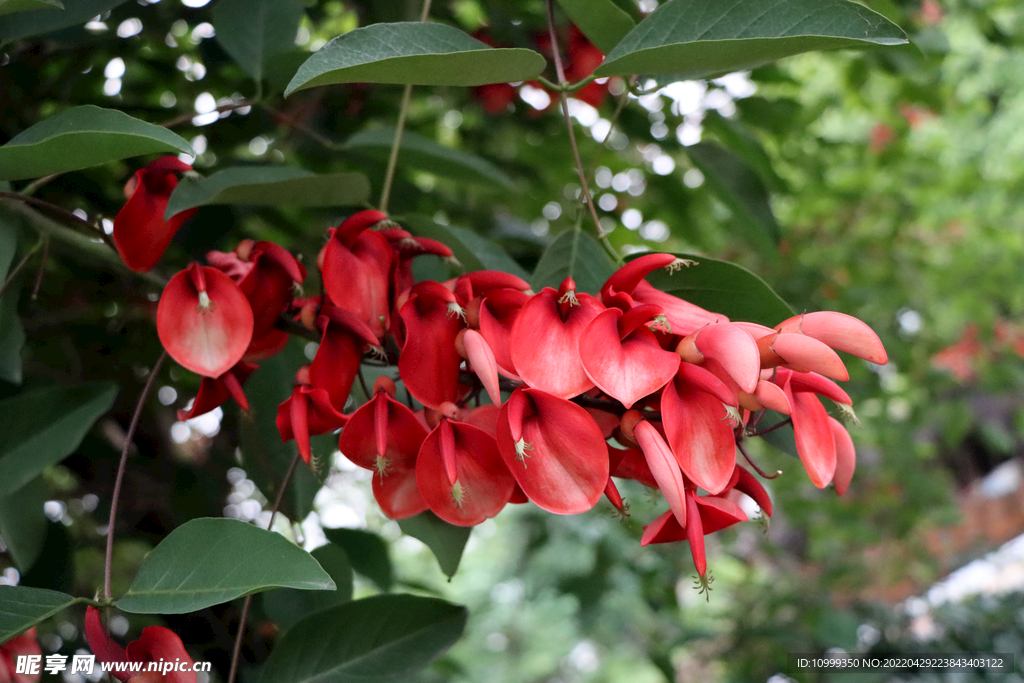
x=769 y=430
x=18 y=268
x=403 y=110
x=42 y=268
x=237 y=651
x=185 y=118
x=564 y=99
x=754 y=464
x=69 y=218
x=121 y=468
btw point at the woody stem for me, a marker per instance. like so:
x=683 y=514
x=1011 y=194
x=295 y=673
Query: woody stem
x=121 y=468
x=389 y=175
x=564 y=100
x=237 y=650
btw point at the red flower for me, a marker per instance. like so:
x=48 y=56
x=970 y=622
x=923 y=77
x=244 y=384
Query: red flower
x=155 y=645
x=356 y=268
x=308 y=411
x=141 y=234
x=24 y=645
x=214 y=391
x=204 y=320
x=555 y=451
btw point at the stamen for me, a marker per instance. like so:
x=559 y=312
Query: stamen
x=678 y=264
x=521 y=447
x=569 y=298
x=455 y=310
x=205 y=305
x=702 y=584
x=846 y=412
x=381 y=465
x=459 y=494
x=660 y=322
x=732 y=416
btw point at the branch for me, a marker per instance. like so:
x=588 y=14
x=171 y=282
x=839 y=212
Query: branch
x=587 y=196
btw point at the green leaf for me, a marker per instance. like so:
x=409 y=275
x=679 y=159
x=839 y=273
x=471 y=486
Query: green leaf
x=270 y=186
x=251 y=31
x=8 y=243
x=23 y=523
x=287 y=605
x=574 y=254
x=418 y=152
x=414 y=53
x=704 y=38
x=22 y=607
x=10 y=6
x=724 y=288
x=208 y=561
x=377 y=639
x=264 y=457
x=742 y=190
x=445 y=540
x=36 y=22
x=81 y=137
x=44 y=426
x=367 y=552
x=600 y=20
x=473 y=251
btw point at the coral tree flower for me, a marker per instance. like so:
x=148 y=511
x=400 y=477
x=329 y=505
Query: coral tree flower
x=141 y=234
x=356 y=267
x=21 y=646
x=307 y=412
x=204 y=320
x=156 y=644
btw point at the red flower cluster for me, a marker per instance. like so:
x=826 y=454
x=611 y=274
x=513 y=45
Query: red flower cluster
x=24 y=645
x=675 y=384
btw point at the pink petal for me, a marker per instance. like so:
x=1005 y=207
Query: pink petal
x=735 y=350
x=813 y=434
x=664 y=467
x=846 y=456
x=684 y=317
x=813 y=382
x=806 y=354
x=481 y=362
x=841 y=332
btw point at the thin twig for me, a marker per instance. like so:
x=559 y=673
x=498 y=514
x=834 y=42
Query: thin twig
x=564 y=99
x=21 y=266
x=31 y=188
x=769 y=430
x=69 y=218
x=121 y=468
x=185 y=118
x=283 y=119
x=237 y=651
x=42 y=268
x=754 y=464
x=389 y=175
x=362 y=383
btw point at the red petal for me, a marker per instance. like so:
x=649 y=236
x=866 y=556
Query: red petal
x=696 y=377
x=813 y=434
x=498 y=313
x=806 y=354
x=214 y=392
x=398 y=495
x=684 y=317
x=141 y=234
x=405 y=435
x=700 y=437
x=627 y=370
x=746 y=483
x=565 y=468
x=625 y=279
x=101 y=644
x=485 y=482
x=208 y=341
x=629 y=463
x=429 y=364
x=357 y=278
x=545 y=348
x=159 y=644
x=813 y=382
x=718 y=513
